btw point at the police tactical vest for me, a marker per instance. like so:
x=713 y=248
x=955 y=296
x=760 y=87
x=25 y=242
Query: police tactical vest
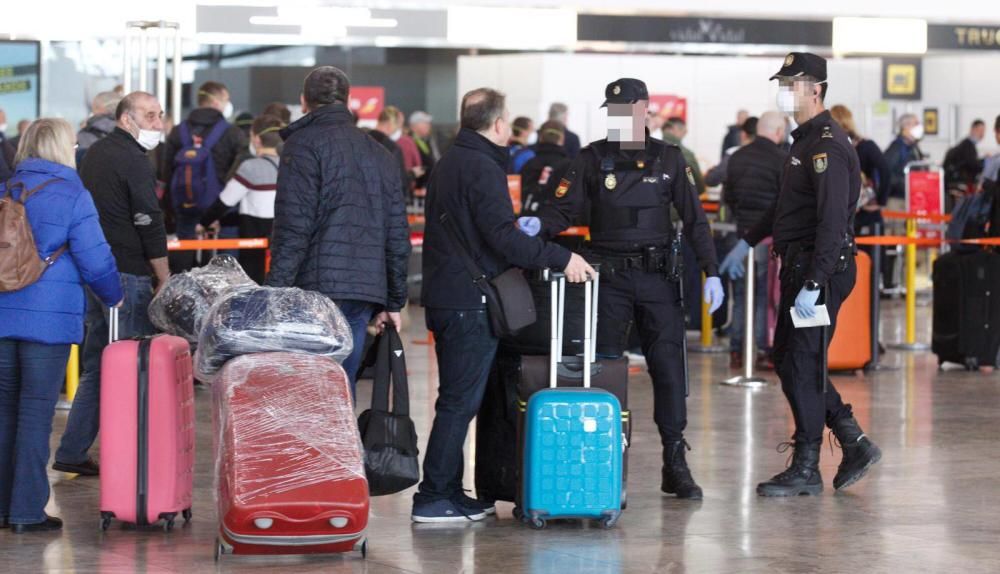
x=630 y=195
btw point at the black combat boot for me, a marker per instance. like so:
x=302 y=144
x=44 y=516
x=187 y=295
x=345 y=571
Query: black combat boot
x=802 y=475
x=676 y=474
x=860 y=453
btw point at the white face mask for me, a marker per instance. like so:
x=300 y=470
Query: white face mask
x=3 y=127
x=396 y=135
x=917 y=132
x=786 y=100
x=227 y=111
x=149 y=139
x=532 y=138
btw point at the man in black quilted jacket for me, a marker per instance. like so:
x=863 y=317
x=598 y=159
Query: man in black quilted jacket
x=339 y=215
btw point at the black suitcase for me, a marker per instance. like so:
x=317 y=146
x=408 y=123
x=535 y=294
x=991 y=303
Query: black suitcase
x=513 y=379
x=966 y=312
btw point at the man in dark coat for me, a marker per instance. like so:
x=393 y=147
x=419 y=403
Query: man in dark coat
x=339 y=216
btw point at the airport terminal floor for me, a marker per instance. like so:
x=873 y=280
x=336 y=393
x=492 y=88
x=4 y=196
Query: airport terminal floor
x=929 y=506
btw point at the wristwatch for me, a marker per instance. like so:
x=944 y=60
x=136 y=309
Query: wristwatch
x=811 y=285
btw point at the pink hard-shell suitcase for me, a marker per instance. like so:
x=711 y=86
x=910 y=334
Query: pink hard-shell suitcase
x=147 y=429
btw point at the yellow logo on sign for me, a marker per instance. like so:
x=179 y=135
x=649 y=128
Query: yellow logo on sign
x=901 y=79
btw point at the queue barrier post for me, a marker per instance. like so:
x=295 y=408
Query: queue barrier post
x=706 y=345
x=747 y=379
x=910 y=342
x=72 y=378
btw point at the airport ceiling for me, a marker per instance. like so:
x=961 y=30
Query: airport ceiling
x=712 y=26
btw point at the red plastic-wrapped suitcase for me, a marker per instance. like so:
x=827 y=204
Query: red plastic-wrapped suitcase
x=289 y=464
x=147 y=429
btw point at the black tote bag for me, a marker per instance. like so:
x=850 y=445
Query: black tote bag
x=388 y=436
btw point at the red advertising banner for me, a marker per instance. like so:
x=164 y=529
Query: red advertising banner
x=668 y=106
x=367 y=102
x=925 y=196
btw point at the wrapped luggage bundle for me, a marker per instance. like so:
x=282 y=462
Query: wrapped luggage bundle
x=250 y=320
x=289 y=467
x=180 y=307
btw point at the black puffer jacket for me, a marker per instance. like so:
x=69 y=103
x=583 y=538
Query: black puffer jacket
x=753 y=179
x=470 y=185
x=339 y=215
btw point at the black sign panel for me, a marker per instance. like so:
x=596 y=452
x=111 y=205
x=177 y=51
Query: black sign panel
x=901 y=78
x=963 y=37
x=646 y=29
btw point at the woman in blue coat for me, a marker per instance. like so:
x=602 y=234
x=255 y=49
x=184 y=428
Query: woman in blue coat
x=38 y=323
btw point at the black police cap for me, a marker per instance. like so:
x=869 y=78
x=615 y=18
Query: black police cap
x=799 y=64
x=625 y=91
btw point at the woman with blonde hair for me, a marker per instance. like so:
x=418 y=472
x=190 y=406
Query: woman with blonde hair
x=41 y=320
x=874 y=170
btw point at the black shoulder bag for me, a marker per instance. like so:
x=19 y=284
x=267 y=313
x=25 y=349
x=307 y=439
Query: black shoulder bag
x=388 y=436
x=508 y=296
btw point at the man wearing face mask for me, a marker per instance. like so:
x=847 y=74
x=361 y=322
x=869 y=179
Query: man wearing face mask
x=119 y=176
x=630 y=182
x=903 y=150
x=206 y=126
x=811 y=222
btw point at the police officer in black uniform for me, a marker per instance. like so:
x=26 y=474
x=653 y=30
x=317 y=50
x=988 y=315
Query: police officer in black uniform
x=629 y=182
x=811 y=223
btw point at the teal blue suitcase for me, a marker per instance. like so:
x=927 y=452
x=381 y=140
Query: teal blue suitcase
x=573 y=442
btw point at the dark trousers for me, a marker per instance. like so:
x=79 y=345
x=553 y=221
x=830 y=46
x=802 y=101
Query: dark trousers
x=31 y=375
x=797 y=353
x=358 y=315
x=85 y=416
x=254 y=261
x=652 y=303
x=465 y=348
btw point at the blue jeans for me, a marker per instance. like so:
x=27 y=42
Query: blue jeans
x=358 y=315
x=31 y=375
x=761 y=259
x=85 y=416
x=465 y=348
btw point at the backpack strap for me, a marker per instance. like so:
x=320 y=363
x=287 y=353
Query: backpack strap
x=184 y=130
x=215 y=134
x=26 y=194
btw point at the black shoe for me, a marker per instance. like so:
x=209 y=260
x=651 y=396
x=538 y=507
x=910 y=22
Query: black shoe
x=48 y=525
x=860 y=453
x=86 y=468
x=802 y=475
x=676 y=474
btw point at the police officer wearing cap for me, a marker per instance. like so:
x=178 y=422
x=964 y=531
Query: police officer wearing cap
x=629 y=182
x=811 y=223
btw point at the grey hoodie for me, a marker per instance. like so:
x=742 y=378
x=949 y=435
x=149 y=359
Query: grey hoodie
x=97 y=128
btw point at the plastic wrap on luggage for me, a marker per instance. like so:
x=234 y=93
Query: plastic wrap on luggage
x=249 y=320
x=283 y=422
x=180 y=306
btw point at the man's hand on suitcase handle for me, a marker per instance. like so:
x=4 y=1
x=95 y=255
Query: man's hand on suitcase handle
x=386 y=317
x=578 y=270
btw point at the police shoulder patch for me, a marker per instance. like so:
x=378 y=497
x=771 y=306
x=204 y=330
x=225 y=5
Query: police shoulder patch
x=563 y=188
x=690 y=174
x=827 y=133
x=819 y=162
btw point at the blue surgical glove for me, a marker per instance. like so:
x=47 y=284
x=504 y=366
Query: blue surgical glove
x=805 y=302
x=530 y=226
x=714 y=295
x=732 y=265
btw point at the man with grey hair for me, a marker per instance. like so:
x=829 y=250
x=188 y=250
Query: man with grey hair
x=100 y=123
x=753 y=179
x=559 y=112
x=469 y=189
x=423 y=136
x=903 y=150
x=120 y=177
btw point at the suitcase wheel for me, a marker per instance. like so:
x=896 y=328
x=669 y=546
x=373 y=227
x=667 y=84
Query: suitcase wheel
x=971 y=364
x=608 y=521
x=518 y=515
x=219 y=550
x=106 y=520
x=536 y=522
x=168 y=521
x=186 y=513
x=362 y=547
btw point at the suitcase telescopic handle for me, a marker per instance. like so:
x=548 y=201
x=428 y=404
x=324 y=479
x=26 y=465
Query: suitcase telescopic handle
x=557 y=282
x=112 y=325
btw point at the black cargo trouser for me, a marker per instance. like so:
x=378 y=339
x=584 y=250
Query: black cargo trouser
x=797 y=352
x=652 y=303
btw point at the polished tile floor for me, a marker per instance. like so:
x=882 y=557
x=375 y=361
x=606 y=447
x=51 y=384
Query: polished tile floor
x=932 y=505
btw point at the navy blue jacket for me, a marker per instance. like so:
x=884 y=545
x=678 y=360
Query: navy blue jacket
x=51 y=310
x=470 y=185
x=339 y=214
